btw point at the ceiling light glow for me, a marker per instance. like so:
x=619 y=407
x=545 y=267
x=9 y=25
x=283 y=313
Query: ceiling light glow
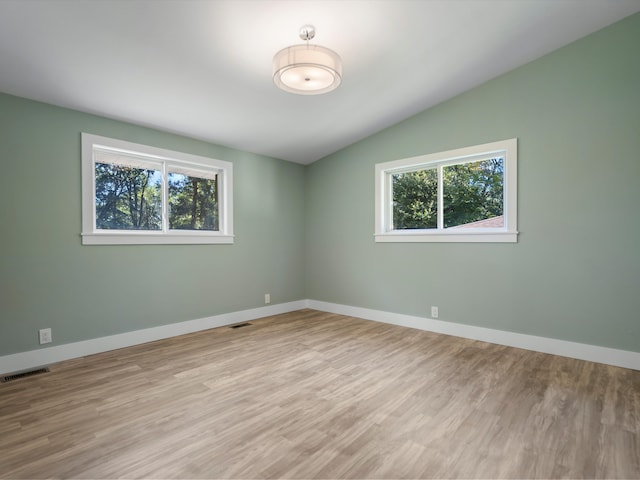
x=307 y=69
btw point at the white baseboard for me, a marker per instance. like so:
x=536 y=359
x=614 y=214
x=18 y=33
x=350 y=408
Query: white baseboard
x=581 y=351
x=46 y=356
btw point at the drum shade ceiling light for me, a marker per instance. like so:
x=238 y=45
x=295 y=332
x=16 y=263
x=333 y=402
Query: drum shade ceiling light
x=307 y=69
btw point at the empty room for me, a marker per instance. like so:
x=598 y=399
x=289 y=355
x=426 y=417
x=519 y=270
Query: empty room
x=329 y=239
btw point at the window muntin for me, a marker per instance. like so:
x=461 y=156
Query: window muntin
x=139 y=194
x=464 y=195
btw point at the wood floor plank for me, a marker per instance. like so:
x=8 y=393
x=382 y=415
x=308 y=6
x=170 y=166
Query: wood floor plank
x=318 y=395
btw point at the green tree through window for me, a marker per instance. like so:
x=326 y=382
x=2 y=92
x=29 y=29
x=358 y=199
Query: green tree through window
x=471 y=192
x=415 y=199
x=128 y=198
x=193 y=203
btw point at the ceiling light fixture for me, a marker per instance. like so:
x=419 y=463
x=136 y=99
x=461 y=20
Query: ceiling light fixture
x=307 y=69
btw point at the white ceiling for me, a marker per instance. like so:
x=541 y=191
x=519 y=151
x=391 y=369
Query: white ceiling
x=203 y=68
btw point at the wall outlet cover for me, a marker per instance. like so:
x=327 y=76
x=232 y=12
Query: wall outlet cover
x=45 y=335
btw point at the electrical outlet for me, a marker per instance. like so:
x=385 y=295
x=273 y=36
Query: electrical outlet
x=267 y=298
x=434 y=312
x=45 y=335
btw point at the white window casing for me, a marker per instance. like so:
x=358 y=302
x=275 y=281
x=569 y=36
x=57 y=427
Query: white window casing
x=384 y=230
x=97 y=149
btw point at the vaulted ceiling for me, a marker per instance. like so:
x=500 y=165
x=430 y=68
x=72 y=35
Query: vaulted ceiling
x=203 y=68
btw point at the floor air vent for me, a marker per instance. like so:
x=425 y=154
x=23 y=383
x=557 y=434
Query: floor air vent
x=30 y=373
x=240 y=325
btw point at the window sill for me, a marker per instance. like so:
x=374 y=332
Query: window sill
x=446 y=237
x=171 y=238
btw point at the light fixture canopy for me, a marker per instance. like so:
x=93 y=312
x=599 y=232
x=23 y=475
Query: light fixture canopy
x=307 y=69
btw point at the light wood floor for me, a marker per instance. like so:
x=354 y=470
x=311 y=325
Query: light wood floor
x=316 y=395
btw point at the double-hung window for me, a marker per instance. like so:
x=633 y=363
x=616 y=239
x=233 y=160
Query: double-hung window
x=137 y=194
x=463 y=195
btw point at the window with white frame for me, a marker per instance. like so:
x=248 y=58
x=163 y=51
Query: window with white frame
x=463 y=195
x=137 y=194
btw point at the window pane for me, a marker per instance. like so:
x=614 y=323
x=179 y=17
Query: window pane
x=415 y=199
x=473 y=194
x=193 y=202
x=128 y=198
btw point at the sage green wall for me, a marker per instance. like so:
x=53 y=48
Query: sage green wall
x=575 y=272
x=49 y=279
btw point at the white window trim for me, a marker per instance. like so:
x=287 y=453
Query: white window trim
x=93 y=236
x=383 y=196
